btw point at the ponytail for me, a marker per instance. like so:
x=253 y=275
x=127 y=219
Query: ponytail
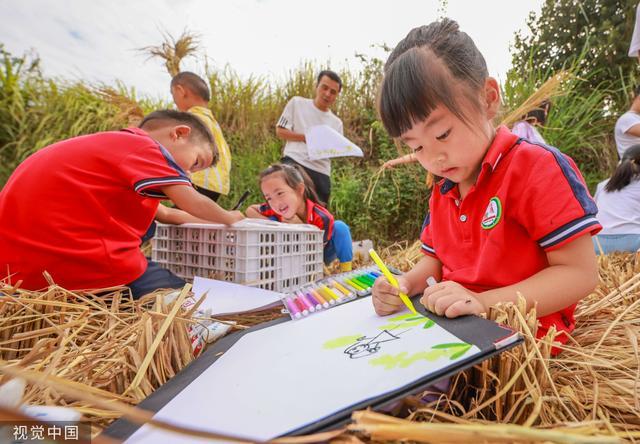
x=293 y=175
x=628 y=170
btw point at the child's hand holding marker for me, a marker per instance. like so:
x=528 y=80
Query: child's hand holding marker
x=450 y=299
x=386 y=297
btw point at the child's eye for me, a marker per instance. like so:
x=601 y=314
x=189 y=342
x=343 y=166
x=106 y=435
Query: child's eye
x=444 y=135
x=418 y=149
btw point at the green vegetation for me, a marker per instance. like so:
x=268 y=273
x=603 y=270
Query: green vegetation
x=36 y=111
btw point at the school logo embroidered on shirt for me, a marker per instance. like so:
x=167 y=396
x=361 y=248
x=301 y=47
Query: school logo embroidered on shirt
x=492 y=214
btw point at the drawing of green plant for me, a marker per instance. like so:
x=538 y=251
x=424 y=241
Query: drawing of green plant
x=404 y=360
x=408 y=320
x=342 y=341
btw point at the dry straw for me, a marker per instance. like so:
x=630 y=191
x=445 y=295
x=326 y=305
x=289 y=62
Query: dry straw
x=590 y=393
x=103 y=344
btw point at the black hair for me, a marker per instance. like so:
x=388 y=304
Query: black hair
x=539 y=113
x=194 y=83
x=432 y=65
x=332 y=75
x=627 y=170
x=293 y=175
x=199 y=131
x=636 y=91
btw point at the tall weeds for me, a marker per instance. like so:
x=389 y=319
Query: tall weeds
x=36 y=111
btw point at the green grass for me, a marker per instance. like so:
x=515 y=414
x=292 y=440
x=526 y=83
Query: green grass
x=36 y=111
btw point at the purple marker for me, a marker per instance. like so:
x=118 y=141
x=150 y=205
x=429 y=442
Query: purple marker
x=306 y=302
x=293 y=308
x=311 y=299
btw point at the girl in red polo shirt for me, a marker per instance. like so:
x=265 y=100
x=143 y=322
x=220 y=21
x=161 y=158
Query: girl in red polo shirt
x=509 y=216
x=291 y=198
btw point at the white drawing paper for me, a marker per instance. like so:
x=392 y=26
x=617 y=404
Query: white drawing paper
x=228 y=298
x=281 y=378
x=323 y=142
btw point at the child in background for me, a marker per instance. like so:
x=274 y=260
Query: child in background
x=291 y=198
x=508 y=216
x=78 y=208
x=191 y=94
x=526 y=128
x=618 y=200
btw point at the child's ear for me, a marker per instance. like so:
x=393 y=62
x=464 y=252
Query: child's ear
x=491 y=97
x=180 y=132
x=300 y=188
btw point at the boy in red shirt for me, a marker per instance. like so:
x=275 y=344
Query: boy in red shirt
x=78 y=208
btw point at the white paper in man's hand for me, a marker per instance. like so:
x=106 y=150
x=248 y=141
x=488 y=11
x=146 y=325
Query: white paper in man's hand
x=323 y=142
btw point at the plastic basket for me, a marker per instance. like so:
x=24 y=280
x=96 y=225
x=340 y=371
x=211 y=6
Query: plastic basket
x=265 y=254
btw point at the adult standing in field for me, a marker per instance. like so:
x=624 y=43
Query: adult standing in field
x=299 y=115
x=627 y=129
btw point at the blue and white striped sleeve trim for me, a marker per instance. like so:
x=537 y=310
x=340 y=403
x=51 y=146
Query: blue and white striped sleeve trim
x=427 y=249
x=568 y=230
x=142 y=186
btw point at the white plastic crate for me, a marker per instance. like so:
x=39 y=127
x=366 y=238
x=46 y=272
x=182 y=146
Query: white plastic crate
x=254 y=252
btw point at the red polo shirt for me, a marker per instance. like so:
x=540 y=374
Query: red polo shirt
x=528 y=199
x=316 y=215
x=79 y=207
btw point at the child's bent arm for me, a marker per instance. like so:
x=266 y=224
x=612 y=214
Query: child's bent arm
x=175 y=216
x=286 y=134
x=416 y=278
x=571 y=275
x=194 y=203
x=254 y=213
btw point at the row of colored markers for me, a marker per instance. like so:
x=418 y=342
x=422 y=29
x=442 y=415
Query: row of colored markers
x=330 y=292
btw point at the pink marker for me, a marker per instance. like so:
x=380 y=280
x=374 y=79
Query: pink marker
x=306 y=302
x=293 y=308
x=312 y=303
x=301 y=306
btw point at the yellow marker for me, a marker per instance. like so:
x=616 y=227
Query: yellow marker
x=392 y=280
x=332 y=293
x=337 y=284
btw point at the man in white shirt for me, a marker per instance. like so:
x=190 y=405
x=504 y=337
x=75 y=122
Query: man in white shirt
x=627 y=129
x=298 y=116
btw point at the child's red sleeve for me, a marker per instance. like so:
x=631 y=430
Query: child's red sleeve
x=426 y=238
x=150 y=168
x=555 y=206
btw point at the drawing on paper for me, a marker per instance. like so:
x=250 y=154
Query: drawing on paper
x=363 y=345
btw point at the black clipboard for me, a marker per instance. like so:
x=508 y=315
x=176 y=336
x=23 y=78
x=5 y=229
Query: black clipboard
x=490 y=337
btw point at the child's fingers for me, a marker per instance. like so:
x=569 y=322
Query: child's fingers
x=383 y=308
x=432 y=294
x=462 y=307
x=385 y=297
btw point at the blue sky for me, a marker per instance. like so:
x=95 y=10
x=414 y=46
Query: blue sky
x=97 y=40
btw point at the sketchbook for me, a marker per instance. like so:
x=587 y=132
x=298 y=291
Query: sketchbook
x=223 y=298
x=303 y=376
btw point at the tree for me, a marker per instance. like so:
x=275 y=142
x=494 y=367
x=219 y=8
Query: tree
x=564 y=29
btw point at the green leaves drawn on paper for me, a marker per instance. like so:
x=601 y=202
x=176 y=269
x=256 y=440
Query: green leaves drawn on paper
x=342 y=341
x=408 y=320
x=404 y=360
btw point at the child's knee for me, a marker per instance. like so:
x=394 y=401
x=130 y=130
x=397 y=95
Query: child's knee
x=341 y=229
